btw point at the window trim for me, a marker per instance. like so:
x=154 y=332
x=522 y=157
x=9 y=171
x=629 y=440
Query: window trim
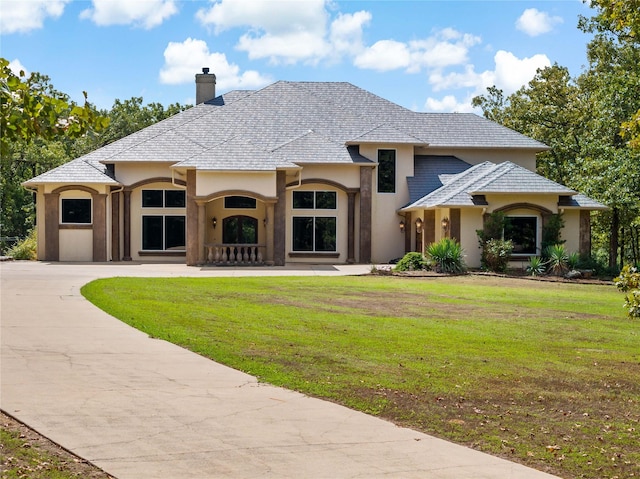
x=254 y=207
x=85 y=224
x=314 y=251
x=315 y=200
x=164 y=199
x=164 y=249
x=395 y=172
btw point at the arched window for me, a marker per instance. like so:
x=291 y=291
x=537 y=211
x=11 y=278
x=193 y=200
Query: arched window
x=240 y=229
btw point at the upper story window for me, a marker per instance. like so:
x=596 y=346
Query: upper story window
x=239 y=202
x=523 y=232
x=76 y=210
x=315 y=200
x=163 y=199
x=386 y=171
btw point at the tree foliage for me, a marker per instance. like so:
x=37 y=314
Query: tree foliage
x=42 y=128
x=590 y=124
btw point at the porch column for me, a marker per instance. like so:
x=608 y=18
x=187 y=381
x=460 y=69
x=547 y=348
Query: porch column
x=408 y=221
x=51 y=227
x=126 y=227
x=351 y=219
x=99 y=227
x=454 y=224
x=585 y=233
x=202 y=224
x=270 y=228
x=115 y=226
x=192 y=220
x=280 y=219
x=366 y=184
x=429 y=226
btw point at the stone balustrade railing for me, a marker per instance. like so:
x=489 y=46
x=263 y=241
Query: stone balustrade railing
x=230 y=254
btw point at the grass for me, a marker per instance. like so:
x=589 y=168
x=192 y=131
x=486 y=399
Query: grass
x=24 y=453
x=546 y=374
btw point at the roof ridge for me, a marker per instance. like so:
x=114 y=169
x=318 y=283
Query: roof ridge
x=467 y=172
x=505 y=166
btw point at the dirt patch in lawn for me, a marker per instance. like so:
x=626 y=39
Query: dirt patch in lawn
x=25 y=453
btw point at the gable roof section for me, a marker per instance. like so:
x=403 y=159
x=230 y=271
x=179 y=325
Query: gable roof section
x=431 y=172
x=79 y=171
x=485 y=178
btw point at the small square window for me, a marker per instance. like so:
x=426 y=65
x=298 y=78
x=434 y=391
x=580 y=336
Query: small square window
x=325 y=200
x=152 y=198
x=174 y=199
x=303 y=200
x=77 y=211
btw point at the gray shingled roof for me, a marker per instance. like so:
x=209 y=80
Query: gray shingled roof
x=485 y=178
x=430 y=172
x=296 y=122
x=581 y=201
x=79 y=171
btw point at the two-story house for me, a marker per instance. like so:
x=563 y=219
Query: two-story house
x=299 y=172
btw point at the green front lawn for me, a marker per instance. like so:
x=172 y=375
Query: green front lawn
x=546 y=374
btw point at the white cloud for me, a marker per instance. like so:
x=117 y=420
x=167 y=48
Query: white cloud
x=23 y=16
x=384 y=55
x=16 y=67
x=183 y=60
x=346 y=32
x=270 y=16
x=448 y=104
x=146 y=14
x=510 y=74
x=447 y=47
x=282 y=31
x=534 y=22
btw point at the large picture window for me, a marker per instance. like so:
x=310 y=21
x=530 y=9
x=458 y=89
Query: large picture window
x=386 y=171
x=163 y=199
x=76 y=211
x=163 y=233
x=314 y=234
x=523 y=232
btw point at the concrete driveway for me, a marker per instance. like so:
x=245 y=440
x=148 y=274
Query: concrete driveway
x=143 y=408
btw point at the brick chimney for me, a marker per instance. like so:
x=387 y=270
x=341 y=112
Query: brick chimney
x=205 y=86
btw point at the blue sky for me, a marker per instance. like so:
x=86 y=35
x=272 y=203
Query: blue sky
x=423 y=55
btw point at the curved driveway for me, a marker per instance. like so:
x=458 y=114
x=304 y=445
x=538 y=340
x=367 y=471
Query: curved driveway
x=143 y=408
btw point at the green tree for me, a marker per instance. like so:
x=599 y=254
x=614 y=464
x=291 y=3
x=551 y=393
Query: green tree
x=589 y=123
x=37 y=125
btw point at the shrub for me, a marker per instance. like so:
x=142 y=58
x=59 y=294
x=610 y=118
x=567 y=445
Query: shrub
x=573 y=260
x=551 y=231
x=447 y=256
x=25 y=249
x=629 y=282
x=496 y=255
x=412 y=262
x=557 y=258
x=537 y=266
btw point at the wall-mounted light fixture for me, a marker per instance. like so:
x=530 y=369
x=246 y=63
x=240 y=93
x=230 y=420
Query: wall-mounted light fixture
x=265 y=222
x=402 y=225
x=419 y=224
x=214 y=222
x=445 y=226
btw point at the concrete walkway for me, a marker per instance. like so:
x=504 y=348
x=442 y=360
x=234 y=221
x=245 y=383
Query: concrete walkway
x=144 y=408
